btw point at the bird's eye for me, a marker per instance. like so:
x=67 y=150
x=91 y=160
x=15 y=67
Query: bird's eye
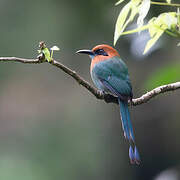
x=101 y=52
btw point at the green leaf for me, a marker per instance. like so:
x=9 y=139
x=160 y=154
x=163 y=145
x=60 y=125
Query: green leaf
x=132 y=9
x=152 y=28
x=133 y=13
x=168 y=1
x=47 y=54
x=119 y=2
x=165 y=22
x=120 y=21
x=178 y=17
x=165 y=75
x=143 y=11
x=136 y=30
x=152 y=41
x=136 y=2
x=170 y=19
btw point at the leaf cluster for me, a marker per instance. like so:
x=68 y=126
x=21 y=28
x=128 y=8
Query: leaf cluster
x=168 y=22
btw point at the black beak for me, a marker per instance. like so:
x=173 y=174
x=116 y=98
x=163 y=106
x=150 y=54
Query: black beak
x=85 y=51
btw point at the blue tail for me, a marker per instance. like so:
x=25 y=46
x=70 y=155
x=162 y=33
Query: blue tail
x=128 y=131
x=124 y=119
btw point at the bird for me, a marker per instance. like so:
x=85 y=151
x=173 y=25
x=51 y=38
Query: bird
x=110 y=74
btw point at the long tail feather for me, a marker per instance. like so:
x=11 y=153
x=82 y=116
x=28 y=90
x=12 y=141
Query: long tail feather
x=136 y=155
x=131 y=155
x=128 y=131
x=129 y=123
x=126 y=123
x=124 y=119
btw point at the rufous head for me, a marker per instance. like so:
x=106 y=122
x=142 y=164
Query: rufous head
x=102 y=51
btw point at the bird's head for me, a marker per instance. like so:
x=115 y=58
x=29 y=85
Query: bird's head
x=102 y=52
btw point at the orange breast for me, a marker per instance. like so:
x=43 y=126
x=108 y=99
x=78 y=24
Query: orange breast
x=98 y=59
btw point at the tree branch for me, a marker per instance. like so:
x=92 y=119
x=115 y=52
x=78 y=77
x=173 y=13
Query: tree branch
x=21 y=60
x=159 y=90
x=108 y=98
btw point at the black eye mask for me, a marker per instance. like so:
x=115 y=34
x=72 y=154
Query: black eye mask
x=100 y=52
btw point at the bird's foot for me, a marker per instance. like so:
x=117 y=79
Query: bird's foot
x=101 y=92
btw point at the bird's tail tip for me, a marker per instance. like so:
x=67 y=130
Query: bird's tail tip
x=137 y=156
x=131 y=155
x=134 y=156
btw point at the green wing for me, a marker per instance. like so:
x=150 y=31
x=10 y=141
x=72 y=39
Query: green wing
x=113 y=73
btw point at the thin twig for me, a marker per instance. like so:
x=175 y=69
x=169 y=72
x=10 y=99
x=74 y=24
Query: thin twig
x=21 y=60
x=108 y=98
x=159 y=90
x=165 y=4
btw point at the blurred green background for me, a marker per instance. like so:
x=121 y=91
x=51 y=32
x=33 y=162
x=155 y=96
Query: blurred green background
x=51 y=128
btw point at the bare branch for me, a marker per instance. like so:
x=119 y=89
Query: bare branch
x=21 y=60
x=159 y=90
x=108 y=98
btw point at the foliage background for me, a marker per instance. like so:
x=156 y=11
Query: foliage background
x=50 y=128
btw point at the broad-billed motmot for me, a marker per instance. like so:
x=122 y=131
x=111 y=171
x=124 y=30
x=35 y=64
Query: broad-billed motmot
x=110 y=74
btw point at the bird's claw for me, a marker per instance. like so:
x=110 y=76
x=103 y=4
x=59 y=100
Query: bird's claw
x=101 y=92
